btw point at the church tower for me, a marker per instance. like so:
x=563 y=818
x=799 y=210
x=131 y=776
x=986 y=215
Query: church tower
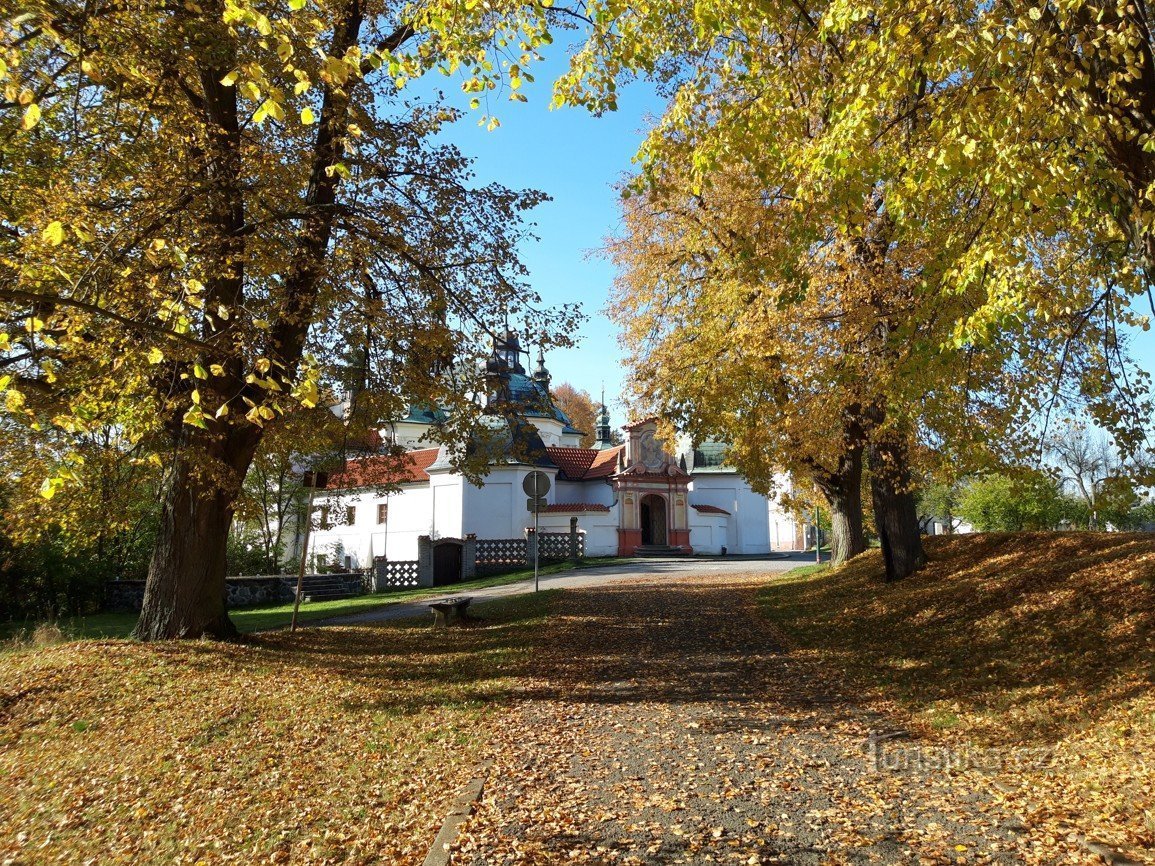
x=604 y=433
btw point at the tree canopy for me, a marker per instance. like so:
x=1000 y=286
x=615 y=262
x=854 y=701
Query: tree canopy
x=204 y=207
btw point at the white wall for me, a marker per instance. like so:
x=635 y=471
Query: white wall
x=410 y=515
x=595 y=492
x=748 y=530
x=709 y=532
x=599 y=527
x=447 y=493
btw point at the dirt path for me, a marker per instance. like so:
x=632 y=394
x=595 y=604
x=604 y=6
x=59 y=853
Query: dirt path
x=667 y=725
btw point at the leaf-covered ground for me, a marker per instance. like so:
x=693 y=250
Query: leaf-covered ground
x=996 y=708
x=665 y=723
x=1031 y=651
x=336 y=745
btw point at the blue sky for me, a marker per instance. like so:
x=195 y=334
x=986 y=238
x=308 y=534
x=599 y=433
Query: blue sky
x=575 y=158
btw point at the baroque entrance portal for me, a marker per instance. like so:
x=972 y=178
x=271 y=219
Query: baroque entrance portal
x=653 y=519
x=653 y=489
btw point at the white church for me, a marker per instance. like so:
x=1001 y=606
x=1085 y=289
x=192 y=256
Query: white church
x=636 y=498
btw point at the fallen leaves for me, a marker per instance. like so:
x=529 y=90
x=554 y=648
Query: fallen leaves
x=339 y=745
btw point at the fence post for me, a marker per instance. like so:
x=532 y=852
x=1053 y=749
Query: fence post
x=574 y=552
x=424 y=560
x=469 y=557
x=530 y=546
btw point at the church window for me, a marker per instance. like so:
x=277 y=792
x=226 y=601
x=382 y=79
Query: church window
x=350 y=515
x=383 y=512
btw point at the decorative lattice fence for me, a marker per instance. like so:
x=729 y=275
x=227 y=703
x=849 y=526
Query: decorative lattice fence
x=555 y=545
x=395 y=574
x=500 y=554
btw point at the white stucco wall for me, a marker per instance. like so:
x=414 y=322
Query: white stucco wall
x=597 y=492
x=748 y=529
x=600 y=529
x=447 y=491
x=709 y=532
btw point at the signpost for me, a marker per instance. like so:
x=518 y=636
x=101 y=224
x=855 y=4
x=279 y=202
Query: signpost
x=536 y=486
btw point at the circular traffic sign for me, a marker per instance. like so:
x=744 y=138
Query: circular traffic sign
x=536 y=484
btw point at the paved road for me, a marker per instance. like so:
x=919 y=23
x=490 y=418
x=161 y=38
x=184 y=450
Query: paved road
x=601 y=575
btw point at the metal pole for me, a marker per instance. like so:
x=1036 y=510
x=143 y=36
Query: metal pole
x=304 y=554
x=536 y=541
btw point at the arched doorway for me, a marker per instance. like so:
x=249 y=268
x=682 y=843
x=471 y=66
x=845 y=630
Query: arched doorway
x=653 y=519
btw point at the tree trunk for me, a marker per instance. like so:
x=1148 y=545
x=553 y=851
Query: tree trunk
x=185 y=594
x=895 y=511
x=842 y=491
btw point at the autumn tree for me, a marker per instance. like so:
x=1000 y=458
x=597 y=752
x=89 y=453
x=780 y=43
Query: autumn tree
x=203 y=206
x=579 y=408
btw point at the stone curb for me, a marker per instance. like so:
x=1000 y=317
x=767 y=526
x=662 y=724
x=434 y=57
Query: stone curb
x=459 y=812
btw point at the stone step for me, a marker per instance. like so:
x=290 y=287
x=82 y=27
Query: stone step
x=659 y=550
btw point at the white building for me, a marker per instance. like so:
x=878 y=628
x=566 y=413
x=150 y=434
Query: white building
x=635 y=497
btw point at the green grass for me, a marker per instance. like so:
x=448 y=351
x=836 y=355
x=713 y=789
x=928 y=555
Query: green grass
x=263 y=618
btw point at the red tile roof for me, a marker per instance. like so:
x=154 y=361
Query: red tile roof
x=572 y=462
x=606 y=463
x=384 y=469
x=709 y=509
x=641 y=422
x=574 y=507
x=583 y=464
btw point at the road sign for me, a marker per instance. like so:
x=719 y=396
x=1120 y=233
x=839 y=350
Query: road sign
x=535 y=504
x=536 y=484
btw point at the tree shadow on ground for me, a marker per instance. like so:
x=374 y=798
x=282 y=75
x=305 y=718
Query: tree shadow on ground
x=1038 y=633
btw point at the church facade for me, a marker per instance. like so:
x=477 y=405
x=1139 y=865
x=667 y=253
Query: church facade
x=640 y=496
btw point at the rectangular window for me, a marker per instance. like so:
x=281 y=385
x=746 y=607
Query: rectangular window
x=323 y=523
x=350 y=515
x=383 y=512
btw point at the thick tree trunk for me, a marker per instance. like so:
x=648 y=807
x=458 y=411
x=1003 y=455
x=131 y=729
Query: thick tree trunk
x=184 y=596
x=895 y=511
x=843 y=494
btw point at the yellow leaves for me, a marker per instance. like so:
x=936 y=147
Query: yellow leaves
x=54 y=233
x=308 y=394
x=31 y=116
x=13 y=401
x=307 y=116
x=195 y=417
x=50 y=486
x=269 y=108
x=231 y=79
x=155 y=356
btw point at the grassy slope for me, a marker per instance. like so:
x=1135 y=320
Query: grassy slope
x=333 y=743
x=251 y=619
x=1007 y=640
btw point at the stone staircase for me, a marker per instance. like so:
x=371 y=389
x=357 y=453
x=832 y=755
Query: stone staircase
x=662 y=550
x=326 y=587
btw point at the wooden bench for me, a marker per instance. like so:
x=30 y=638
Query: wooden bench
x=447 y=609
